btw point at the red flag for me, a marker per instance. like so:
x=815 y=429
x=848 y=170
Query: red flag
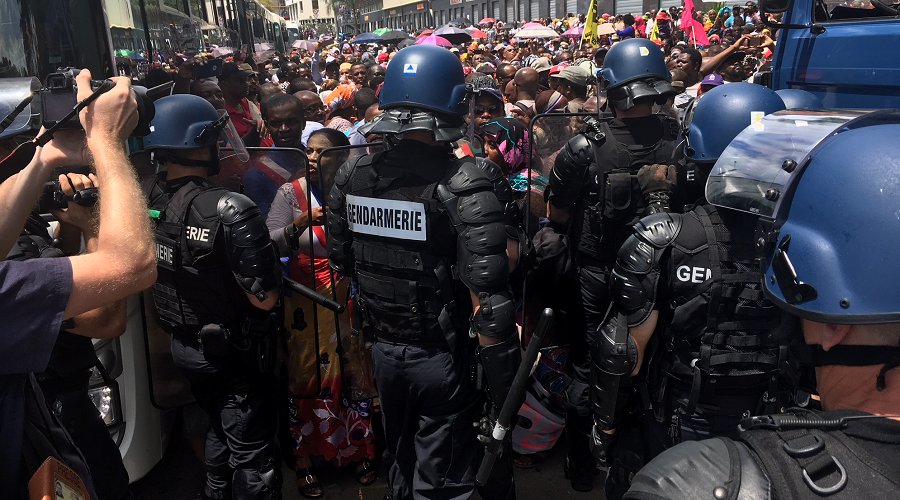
x=691 y=26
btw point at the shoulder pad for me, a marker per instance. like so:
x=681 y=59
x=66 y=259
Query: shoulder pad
x=346 y=170
x=235 y=207
x=579 y=150
x=713 y=469
x=659 y=230
x=501 y=185
x=491 y=169
x=467 y=176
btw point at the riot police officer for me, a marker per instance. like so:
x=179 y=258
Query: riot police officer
x=828 y=242
x=689 y=315
x=218 y=280
x=596 y=194
x=422 y=235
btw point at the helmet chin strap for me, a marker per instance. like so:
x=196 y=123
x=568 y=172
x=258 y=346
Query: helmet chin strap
x=212 y=165
x=858 y=355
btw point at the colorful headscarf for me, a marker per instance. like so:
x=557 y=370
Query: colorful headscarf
x=512 y=141
x=341 y=97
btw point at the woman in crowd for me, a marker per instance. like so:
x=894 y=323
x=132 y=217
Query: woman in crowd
x=340 y=108
x=322 y=422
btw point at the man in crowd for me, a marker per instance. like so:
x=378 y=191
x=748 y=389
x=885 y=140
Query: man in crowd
x=285 y=123
x=234 y=85
x=218 y=278
x=37 y=295
x=526 y=82
x=573 y=85
x=313 y=112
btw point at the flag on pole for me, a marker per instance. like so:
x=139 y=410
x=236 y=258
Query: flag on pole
x=654 y=34
x=590 y=26
x=692 y=26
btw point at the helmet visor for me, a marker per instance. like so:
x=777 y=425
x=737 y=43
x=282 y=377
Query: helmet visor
x=231 y=138
x=751 y=173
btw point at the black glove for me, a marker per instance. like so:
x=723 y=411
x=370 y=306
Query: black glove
x=600 y=444
x=657 y=185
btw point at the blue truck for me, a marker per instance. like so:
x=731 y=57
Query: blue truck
x=846 y=52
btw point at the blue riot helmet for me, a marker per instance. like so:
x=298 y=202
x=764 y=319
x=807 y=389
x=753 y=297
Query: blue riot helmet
x=424 y=77
x=718 y=116
x=799 y=99
x=834 y=255
x=185 y=121
x=635 y=69
x=831 y=251
x=424 y=90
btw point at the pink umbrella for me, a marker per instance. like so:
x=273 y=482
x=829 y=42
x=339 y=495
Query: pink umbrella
x=574 y=32
x=425 y=33
x=487 y=20
x=434 y=40
x=531 y=25
x=476 y=33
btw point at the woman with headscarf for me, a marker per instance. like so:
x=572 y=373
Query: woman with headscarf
x=339 y=104
x=506 y=144
x=640 y=27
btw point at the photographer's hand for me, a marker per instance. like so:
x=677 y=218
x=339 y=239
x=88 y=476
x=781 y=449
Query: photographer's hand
x=110 y=119
x=76 y=220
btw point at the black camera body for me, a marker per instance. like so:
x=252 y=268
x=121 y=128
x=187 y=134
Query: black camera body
x=53 y=197
x=60 y=95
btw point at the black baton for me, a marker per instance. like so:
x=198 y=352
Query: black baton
x=514 y=399
x=314 y=296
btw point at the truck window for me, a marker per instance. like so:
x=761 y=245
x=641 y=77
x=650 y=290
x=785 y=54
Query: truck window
x=854 y=10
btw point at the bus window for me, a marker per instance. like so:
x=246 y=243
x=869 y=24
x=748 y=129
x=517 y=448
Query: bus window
x=854 y=10
x=39 y=36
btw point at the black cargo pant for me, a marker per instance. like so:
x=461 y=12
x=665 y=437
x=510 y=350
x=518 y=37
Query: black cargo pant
x=67 y=397
x=579 y=422
x=240 y=402
x=428 y=408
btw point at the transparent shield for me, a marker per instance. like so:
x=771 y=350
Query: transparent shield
x=260 y=176
x=353 y=345
x=548 y=135
x=752 y=172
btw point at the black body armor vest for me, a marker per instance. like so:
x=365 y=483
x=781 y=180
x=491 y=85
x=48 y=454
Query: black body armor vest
x=614 y=201
x=407 y=287
x=194 y=285
x=723 y=347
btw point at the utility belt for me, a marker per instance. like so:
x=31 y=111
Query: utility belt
x=252 y=337
x=721 y=402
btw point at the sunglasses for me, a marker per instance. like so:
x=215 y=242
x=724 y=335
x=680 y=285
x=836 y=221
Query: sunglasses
x=493 y=108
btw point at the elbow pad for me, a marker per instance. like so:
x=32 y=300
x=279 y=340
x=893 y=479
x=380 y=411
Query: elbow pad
x=613 y=358
x=253 y=257
x=339 y=235
x=635 y=277
x=570 y=171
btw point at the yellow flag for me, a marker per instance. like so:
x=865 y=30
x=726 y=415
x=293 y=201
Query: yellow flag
x=654 y=35
x=590 y=25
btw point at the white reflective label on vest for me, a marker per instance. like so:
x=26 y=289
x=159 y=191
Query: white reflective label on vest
x=404 y=220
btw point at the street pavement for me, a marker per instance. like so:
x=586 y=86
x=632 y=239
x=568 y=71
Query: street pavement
x=179 y=476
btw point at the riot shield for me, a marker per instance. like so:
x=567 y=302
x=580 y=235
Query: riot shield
x=350 y=342
x=548 y=135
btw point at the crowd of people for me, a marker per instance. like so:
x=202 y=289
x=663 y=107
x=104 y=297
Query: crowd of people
x=671 y=327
